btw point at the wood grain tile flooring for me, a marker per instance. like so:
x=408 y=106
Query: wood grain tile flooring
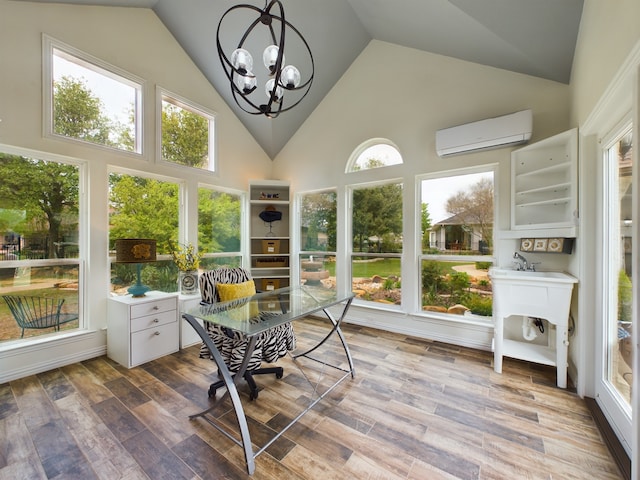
x=417 y=409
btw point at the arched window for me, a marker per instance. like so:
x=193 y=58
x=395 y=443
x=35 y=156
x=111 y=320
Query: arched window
x=374 y=153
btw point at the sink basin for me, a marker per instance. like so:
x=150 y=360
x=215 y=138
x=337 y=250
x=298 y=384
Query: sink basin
x=544 y=277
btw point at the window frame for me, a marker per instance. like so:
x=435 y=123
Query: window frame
x=349 y=239
x=242 y=198
x=49 y=44
x=164 y=95
x=363 y=147
x=80 y=260
x=422 y=257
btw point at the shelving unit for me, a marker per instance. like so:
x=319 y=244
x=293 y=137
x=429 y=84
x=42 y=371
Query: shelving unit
x=270 y=245
x=544 y=185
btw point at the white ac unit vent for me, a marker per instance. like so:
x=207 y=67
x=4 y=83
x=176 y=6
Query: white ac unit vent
x=498 y=132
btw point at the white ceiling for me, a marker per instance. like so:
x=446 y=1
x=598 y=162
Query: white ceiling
x=534 y=37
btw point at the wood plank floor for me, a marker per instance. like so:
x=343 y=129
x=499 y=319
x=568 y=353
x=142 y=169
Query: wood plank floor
x=415 y=410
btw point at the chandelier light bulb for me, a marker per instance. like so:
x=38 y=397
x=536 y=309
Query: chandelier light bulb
x=246 y=83
x=290 y=77
x=242 y=60
x=269 y=89
x=270 y=58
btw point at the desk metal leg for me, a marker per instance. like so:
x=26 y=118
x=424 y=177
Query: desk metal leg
x=231 y=390
x=336 y=328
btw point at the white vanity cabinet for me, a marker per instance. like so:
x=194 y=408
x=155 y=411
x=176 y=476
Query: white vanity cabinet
x=544 y=182
x=142 y=329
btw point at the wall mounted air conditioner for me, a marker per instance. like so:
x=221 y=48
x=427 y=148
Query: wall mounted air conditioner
x=498 y=132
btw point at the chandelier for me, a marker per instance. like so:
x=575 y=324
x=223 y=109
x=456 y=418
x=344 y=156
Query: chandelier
x=282 y=87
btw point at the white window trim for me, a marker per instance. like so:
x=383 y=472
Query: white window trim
x=48 y=45
x=163 y=94
x=355 y=155
x=420 y=257
x=83 y=228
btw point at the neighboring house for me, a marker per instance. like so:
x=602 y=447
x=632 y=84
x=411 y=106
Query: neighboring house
x=454 y=233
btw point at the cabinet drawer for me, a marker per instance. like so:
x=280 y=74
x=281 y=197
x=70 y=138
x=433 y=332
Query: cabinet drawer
x=153 y=343
x=154 y=320
x=150 y=308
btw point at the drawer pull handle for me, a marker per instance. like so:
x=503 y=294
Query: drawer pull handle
x=157 y=333
x=156 y=307
x=155 y=320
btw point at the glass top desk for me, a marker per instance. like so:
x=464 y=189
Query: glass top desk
x=254 y=315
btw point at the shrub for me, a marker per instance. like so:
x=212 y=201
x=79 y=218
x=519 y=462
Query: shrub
x=480 y=305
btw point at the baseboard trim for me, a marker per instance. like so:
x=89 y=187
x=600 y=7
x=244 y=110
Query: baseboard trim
x=610 y=439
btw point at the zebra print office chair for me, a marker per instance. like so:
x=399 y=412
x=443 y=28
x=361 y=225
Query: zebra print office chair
x=270 y=346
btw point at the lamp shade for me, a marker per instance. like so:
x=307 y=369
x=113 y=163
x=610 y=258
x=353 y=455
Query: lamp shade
x=135 y=250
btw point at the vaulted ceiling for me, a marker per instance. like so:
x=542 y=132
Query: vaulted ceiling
x=533 y=37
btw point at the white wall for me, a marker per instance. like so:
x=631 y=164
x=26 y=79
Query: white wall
x=134 y=40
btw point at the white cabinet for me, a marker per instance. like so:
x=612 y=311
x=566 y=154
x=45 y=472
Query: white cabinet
x=188 y=336
x=270 y=241
x=544 y=187
x=142 y=329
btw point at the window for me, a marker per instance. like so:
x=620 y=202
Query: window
x=618 y=260
x=187 y=134
x=318 y=220
x=144 y=207
x=457 y=217
x=376 y=249
x=374 y=153
x=219 y=228
x=39 y=252
x=91 y=101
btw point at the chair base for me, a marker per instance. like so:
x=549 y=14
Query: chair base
x=248 y=376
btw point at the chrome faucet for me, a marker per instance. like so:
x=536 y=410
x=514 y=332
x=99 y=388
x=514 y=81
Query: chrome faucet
x=522 y=263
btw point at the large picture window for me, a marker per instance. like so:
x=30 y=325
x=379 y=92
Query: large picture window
x=144 y=207
x=376 y=248
x=318 y=222
x=39 y=249
x=457 y=216
x=92 y=101
x=219 y=228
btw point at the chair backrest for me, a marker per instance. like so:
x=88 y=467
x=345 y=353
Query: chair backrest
x=210 y=278
x=34 y=312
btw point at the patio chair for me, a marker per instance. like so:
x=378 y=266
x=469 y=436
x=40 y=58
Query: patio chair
x=38 y=312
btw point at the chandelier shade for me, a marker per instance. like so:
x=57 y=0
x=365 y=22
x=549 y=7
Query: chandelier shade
x=282 y=85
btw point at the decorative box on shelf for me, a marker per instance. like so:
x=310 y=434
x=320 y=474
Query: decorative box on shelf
x=270 y=246
x=271 y=262
x=269 y=284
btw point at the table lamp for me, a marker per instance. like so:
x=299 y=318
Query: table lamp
x=136 y=250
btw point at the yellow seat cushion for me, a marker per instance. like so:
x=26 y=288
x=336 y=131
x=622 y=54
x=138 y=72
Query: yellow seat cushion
x=231 y=291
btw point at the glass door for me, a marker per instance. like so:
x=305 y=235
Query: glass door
x=614 y=387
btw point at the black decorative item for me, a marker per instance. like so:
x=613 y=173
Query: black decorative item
x=278 y=79
x=270 y=215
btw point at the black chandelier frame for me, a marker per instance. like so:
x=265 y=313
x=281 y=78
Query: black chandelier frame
x=275 y=104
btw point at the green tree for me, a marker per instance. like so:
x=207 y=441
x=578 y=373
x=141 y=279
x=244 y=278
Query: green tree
x=425 y=225
x=219 y=222
x=475 y=208
x=319 y=216
x=143 y=208
x=47 y=192
x=185 y=137
x=77 y=113
x=377 y=212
